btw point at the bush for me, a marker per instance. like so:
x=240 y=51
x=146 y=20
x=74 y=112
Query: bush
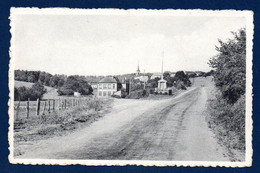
x=229 y=120
x=138 y=94
x=181 y=80
x=228 y=109
x=23 y=93
x=75 y=84
x=230 y=67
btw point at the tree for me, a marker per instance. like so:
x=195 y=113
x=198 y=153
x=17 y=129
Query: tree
x=169 y=79
x=230 y=66
x=181 y=78
x=38 y=88
x=75 y=84
x=153 y=83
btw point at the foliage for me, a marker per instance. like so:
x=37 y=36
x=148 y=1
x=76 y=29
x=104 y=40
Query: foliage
x=227 y=110
x=136 y=84
x=181 y=78
x=44 y=78
x=170 y=80
x=153 y=83
x=228 y=120
x=33 y=93
x=230 y=66
x=75 y=84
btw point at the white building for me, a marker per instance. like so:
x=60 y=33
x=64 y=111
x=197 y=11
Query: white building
x=142 y=78
x=106 y=87
x=77 y=94
x=156 y=75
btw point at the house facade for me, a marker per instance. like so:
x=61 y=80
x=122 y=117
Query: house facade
x=106 y=87
x=156 y=75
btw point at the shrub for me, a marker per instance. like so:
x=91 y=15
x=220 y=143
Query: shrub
x=230 y=66
x=75 y=84
x=23 y=93
x=181 y=80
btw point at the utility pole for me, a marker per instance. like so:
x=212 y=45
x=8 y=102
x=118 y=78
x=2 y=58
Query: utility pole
x=162 y=63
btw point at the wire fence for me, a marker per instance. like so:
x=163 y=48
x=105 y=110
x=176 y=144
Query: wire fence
x=27 y=109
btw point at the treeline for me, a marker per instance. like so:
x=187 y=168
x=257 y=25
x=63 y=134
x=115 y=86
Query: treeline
x=179 y=81
x=43 y=78
x=228 y=109
x=66 y=85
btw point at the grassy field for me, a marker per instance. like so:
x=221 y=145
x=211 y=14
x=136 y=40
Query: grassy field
x=58 y=123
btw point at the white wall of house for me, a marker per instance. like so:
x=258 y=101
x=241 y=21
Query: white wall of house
x=106 y=89
x=156 y=75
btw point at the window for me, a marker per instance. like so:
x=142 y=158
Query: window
x=109 y=86
x=109 y=93
x=104 y=93
x=104 y=86
x=114 y=86
x=100 y=93
x=100 y=86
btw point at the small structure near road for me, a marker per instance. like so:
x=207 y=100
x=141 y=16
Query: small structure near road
x=77 y=94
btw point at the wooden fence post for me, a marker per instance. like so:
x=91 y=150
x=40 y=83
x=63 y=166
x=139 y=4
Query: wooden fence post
x=44 y=107
x=62 y=104
x=53 y=105
x=28 y=108
x=38 y=107
x=59 y=104
x=17 y=110
x=49 y=104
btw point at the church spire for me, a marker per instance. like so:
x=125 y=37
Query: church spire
x=138 y=70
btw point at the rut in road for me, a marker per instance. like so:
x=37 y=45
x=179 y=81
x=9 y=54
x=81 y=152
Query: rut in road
x=150 y=136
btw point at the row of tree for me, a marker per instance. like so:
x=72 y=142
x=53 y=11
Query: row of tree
x=66 y=85
x=43 y=78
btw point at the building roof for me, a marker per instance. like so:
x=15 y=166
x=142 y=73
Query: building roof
x=108 y=80
x=162 y=80
x=157 y=73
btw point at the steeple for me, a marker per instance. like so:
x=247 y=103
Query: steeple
x=138 y=70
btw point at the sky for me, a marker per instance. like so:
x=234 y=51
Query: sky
x=114 y=44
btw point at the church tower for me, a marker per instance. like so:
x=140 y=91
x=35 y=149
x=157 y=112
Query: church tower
x=138 y=70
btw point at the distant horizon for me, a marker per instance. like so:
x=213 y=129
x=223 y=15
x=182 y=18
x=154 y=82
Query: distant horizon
x=116 y=74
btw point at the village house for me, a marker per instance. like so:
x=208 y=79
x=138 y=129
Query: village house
x=156 y=75
x=107 y=87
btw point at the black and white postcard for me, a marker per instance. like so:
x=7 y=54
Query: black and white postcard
x=131 y=87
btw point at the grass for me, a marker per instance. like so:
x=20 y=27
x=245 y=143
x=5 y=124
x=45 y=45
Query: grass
x=50 y=94
x=57 y=123
x=228 y=123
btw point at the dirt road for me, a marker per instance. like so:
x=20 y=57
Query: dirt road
x=169 y=129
